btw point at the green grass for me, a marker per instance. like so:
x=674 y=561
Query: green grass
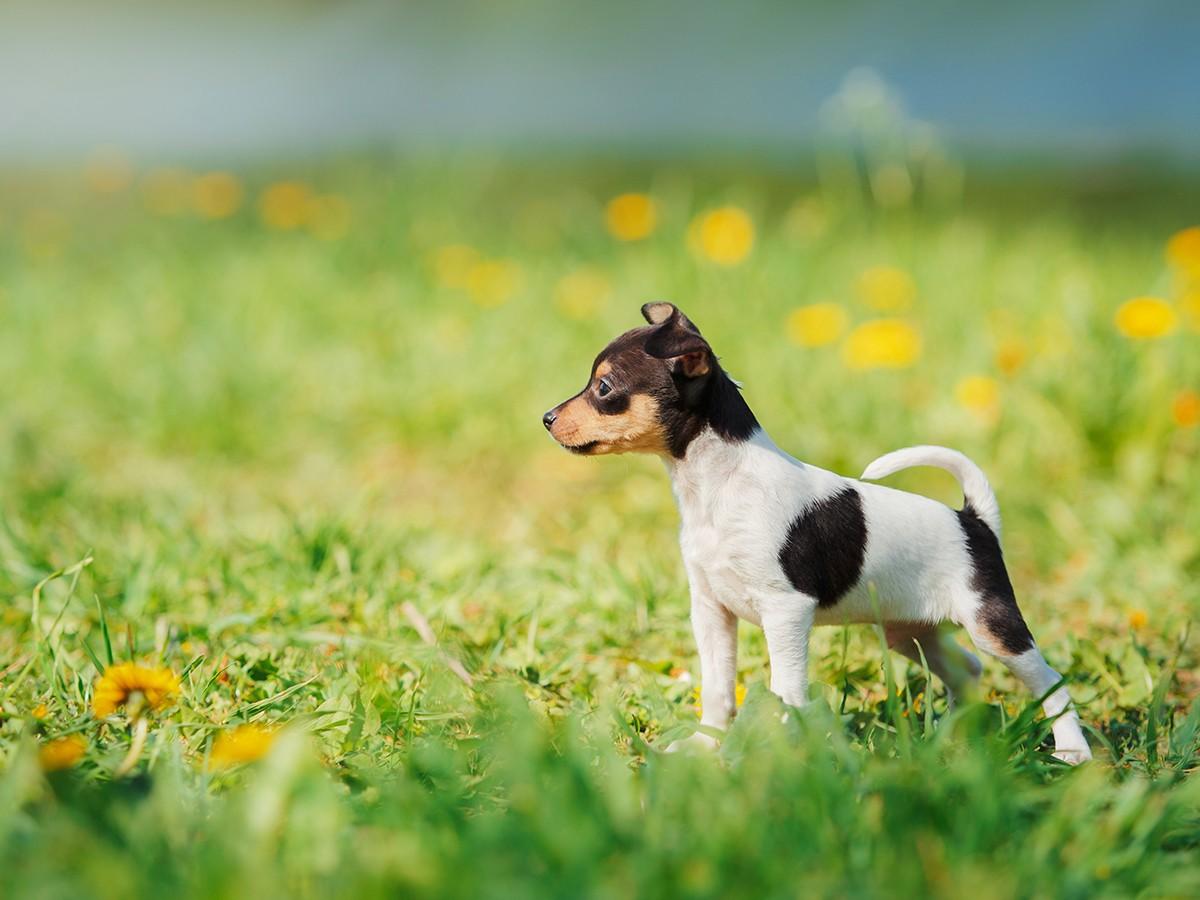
x=238 y=453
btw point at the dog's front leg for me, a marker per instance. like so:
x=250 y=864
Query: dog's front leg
x=715 y=628
x=787 y=621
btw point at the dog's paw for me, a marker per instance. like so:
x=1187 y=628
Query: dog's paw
x=697 y=743
x=1073 y=756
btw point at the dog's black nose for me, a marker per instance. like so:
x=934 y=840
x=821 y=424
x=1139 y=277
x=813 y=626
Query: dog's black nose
x=548 y=419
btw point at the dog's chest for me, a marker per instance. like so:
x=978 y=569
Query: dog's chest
x=725 y=541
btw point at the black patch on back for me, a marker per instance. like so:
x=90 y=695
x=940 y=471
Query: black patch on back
x=998 y=613
x=823 y=553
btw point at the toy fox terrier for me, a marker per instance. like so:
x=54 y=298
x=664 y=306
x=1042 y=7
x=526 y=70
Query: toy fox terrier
x=787 y=545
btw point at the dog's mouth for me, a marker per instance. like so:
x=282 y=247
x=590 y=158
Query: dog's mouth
x=583 y=449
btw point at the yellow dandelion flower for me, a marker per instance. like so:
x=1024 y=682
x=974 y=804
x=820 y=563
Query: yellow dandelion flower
x=724 y=236
x=980 y=395
x=1145 y=318
x=492 y=282
x=166 y=191
x=631 y=217
x=1183 y=250
x=1138 y=619
x=40 y=711
x=739 y=694
x=329 y=217
x=285 y=205
x=120 y=683
x=816 y=325
x=886 y=288
x=452 y=263
x=217 y=195
x=61 y=753
x=582 y=293
x=1011 y=353
x=1185 y=409
x=243 y=744
x=109 y=171
x=882 y=343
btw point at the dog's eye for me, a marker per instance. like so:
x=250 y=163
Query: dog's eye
x=604 y=388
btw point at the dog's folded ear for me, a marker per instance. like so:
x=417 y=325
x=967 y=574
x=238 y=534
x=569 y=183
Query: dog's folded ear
x=658 y=312
x=677 y=339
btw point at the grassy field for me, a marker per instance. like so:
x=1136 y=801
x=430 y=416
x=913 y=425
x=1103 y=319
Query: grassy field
x=278 y=434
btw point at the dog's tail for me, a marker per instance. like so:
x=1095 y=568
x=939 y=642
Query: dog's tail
x=976 y=490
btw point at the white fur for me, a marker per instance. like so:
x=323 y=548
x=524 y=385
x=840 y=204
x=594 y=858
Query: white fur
x=737 y=501
x=974 y=483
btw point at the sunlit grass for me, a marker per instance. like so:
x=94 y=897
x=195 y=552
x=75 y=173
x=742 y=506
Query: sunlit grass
x=272 y=439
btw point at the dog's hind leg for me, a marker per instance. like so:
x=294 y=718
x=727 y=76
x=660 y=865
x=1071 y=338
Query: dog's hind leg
x=955 y=667
x=1002 y=633
x=987 y=608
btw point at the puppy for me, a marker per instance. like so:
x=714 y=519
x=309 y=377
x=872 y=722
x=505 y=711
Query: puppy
x=786 y=545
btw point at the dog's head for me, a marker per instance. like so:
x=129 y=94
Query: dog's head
x=641 y=388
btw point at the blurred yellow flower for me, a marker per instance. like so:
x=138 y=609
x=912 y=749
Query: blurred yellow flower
x=167 y=191
x=285 y=205
x=882 y=343
x=217 y=195
x=1183 y=250
x=329 y=217
x=816 y=325
x=452 y=263
x=582 y=293
x=61 y=753
x=917 y=703
x=739 y=694
x=109 y=171
x=631 y=217
x=243 y=744
x=1144 y=318
x=1185 y=409
x=886 y=288
x=492 y=282
x=121 y=682
x=980 y=394
x=1138 y=619
x=40 y=711
x=724 y=236
x=1011 y=353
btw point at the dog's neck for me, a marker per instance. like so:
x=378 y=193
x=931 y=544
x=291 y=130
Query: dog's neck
x=717 y=407
x=727 y=438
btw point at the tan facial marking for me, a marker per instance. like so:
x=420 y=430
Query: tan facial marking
x=603 y=369
x=637 y=430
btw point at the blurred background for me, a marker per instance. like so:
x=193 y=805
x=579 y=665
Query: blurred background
x=286 y=286
x=1085 y=83
x=302 y=255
